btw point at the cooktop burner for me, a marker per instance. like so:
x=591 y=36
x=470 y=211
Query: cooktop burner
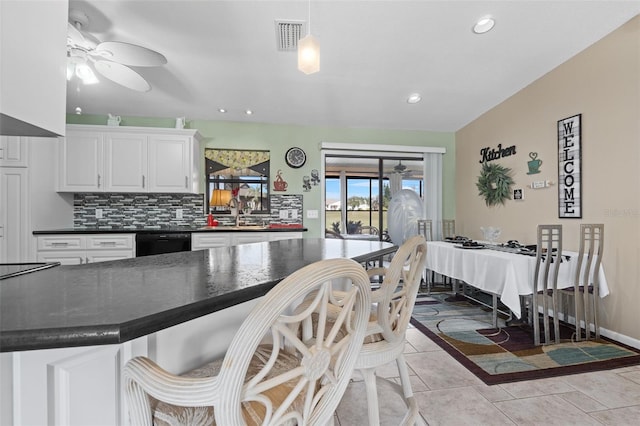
x=10 y=270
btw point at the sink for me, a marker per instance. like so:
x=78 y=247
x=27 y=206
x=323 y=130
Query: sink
x=231 y=228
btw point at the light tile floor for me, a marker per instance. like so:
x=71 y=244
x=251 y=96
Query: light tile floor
x=448 y=394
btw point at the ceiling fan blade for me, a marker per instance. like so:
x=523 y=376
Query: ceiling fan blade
x=74 y=35
x=130 y=54
x=122 y=75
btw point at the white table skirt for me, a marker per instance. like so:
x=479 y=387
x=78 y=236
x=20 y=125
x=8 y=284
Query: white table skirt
x=508 y=275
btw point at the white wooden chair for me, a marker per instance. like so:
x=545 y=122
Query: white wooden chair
x=425 y=228
x=585 y=290
x=393 y=304
x=545 y=282
x=278 y=369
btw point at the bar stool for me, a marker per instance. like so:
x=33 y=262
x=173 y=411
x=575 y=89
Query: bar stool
x=425 y=229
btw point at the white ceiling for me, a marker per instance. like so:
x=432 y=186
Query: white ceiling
x=222 y=54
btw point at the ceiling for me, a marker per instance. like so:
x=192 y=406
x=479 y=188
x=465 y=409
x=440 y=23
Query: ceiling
x=223 y=54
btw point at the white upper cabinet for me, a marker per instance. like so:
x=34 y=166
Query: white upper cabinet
x=170 y=164
x=81 y=162
x=129 y=159
x=33 y=38
x=13 y=151
x=125 y=162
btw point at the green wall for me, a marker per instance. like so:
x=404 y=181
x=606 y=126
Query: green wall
x=278 y=138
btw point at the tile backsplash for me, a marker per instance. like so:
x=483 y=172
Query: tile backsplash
x=137 y=210
x=144 y=210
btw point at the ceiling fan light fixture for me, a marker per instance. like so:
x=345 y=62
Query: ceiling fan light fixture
x=414 y=98
x=86 y=74
x=484 y=25
x=309 y=55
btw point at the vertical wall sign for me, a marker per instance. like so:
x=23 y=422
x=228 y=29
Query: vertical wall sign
x=570 y=167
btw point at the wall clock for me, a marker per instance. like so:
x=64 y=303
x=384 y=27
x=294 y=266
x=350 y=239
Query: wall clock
x=295 y=157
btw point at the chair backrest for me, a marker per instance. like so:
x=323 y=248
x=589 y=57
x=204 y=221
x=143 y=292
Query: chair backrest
x=325 y=355
x=590 y=255
x=448 y=228
x=400 y=288
x=370 y=230
x=328 y=233
x=424 y=229
x=548 y=257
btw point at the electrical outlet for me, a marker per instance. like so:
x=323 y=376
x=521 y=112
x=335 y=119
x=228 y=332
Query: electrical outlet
x=178 y=213
x=284 y=214
x=98 y=213
x=294 y=213
x=312 y=214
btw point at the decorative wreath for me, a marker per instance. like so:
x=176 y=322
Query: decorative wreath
x=494 y=183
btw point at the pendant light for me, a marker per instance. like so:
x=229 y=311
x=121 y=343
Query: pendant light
x=309 y=51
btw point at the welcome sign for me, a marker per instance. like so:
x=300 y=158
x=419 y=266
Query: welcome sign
x=569 y=168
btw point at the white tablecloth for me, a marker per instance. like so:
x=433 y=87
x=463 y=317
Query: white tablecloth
x=506 y=274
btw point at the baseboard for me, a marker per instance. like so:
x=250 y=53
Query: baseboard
x=619 y=337
x=613 y=335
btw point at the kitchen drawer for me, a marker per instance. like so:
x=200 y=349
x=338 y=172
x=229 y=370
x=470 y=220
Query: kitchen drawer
x=62 y=242
x=70 y=257
x=277 y=236
x=200 y=241
x=102 y=242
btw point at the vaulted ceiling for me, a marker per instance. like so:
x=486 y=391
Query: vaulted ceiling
x=223 y=54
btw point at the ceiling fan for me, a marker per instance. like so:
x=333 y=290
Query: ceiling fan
x=110 y=59
x=401 y=169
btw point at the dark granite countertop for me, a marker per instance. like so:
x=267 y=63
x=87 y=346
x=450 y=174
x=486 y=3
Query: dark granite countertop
x=174 y=229
x=113 y=302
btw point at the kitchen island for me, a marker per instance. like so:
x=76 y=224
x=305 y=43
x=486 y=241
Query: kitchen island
x=66 y=332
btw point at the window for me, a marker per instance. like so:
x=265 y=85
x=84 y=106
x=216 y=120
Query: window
x=245 y=173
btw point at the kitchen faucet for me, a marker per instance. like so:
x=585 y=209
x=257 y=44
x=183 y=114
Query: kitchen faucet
x=235 y=204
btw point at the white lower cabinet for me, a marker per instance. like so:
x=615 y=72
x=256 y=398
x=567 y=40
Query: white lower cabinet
x=206 y=240
x=83 y=386
x=79 y=249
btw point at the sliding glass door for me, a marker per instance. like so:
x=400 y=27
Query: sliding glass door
x=358 y=190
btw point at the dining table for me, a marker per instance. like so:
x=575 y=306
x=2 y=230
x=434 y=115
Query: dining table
x=505 y=275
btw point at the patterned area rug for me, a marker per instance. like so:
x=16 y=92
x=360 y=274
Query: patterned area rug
x=507 y=354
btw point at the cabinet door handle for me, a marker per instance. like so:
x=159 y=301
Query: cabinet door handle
x=107 y=243
x=1 y=153
x=58 y=244
x=186 y=182
x=98 y=180
x=143 y=181
x=81 y=260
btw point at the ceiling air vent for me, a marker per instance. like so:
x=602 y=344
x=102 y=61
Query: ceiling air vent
x=288 y=33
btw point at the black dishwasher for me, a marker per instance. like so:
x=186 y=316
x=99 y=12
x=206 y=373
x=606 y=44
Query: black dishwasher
x=149 y=243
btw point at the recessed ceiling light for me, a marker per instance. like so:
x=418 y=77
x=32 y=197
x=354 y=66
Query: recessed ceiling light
x=222 y=110
x=484 y=25
x=248 y=112
x=414 y=98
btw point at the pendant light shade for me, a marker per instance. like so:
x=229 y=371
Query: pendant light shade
x=309 y=54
